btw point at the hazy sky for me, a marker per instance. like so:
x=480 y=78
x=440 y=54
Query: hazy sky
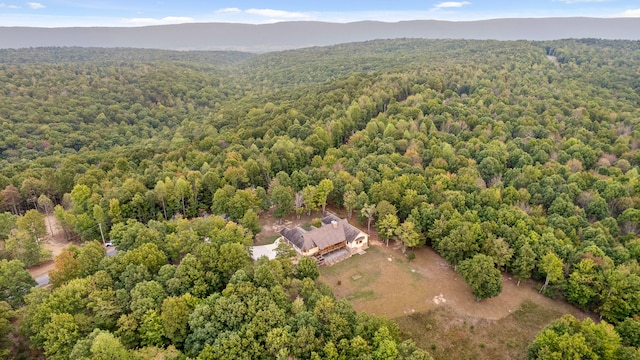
x=54 y=13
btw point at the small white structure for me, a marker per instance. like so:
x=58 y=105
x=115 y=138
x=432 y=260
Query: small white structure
x=334 y=236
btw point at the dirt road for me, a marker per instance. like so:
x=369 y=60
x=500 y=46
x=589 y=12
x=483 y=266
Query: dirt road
x=55 y=242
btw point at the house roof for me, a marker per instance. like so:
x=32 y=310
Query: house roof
x=327 y=219
x=351 y=232
x=295 y=236
x=327 y=235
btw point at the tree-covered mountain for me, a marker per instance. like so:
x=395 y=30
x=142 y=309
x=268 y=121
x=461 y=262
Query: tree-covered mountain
x=521 y=156
x=300 y=34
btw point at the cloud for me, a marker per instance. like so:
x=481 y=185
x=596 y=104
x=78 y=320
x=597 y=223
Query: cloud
x=7 y=6
x=36 y=5
x=228 y=11
x=451 y=4
x=153 y=21
x=260 y=16
x=278 y=14
x=631 y=13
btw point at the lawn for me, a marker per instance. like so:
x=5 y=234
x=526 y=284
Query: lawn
x=434 y=306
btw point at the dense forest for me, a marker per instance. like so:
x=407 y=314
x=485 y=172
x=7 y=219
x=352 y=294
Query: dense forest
x=502 y=156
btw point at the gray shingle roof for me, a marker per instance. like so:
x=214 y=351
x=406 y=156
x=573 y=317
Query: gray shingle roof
x=296 y=237
x=351 y=232
x=325 y=236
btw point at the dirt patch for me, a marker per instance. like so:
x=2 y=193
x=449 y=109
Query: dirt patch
x=54 y=242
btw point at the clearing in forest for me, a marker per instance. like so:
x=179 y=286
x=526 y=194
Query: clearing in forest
x=392 y=286
x=433 y=305
x=430 y=301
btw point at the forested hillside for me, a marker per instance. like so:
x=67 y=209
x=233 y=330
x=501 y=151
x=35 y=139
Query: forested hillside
x=516 y=156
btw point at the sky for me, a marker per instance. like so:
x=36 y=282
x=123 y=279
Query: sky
x=64 y=13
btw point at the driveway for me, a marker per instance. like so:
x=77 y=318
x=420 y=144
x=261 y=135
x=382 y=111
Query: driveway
x=265 y=250
x=42 y=280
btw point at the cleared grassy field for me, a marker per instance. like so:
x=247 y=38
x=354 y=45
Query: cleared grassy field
x=447 y=335
x=435 y=307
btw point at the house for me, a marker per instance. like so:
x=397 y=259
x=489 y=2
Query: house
x=336 y=238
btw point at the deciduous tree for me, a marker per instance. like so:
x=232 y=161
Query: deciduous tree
x=21 y=245
x=33 y=223
x=61 y=334
x=408 y=235
x=461 y=243
x=551 y=265
x=6 y=315
x=7 y=223
x=569 y=338
x=307 y=267
x=524 y=263
x=584 y=284
x=309 y=195
x=107 y=347
x=11 y=198
x=480 y=273
x=175 y=318
x=387 y=227
x=322 y=192
x=629 y=331
x=368 y=212
x=222 y=199
x=65 y=267
x=499 y=250
x=15 y=282
x=251 y=222
x=151 y=329
x=241 y=202
x=183 y=192
x=350 y=202
x=620 y=297
x=80 y=197
x=282 y=199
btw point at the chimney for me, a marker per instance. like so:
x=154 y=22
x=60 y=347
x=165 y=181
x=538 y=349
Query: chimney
x=334 y=224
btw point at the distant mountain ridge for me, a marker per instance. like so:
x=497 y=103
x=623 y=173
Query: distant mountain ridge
x=292 y=35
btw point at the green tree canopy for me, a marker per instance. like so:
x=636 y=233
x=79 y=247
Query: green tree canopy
x=569 y=338
x=480 y=273
x=15 y=282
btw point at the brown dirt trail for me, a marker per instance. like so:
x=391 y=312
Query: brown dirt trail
x=55 y=242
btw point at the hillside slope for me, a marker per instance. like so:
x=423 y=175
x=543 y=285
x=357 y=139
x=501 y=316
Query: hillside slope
x=291 y=35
